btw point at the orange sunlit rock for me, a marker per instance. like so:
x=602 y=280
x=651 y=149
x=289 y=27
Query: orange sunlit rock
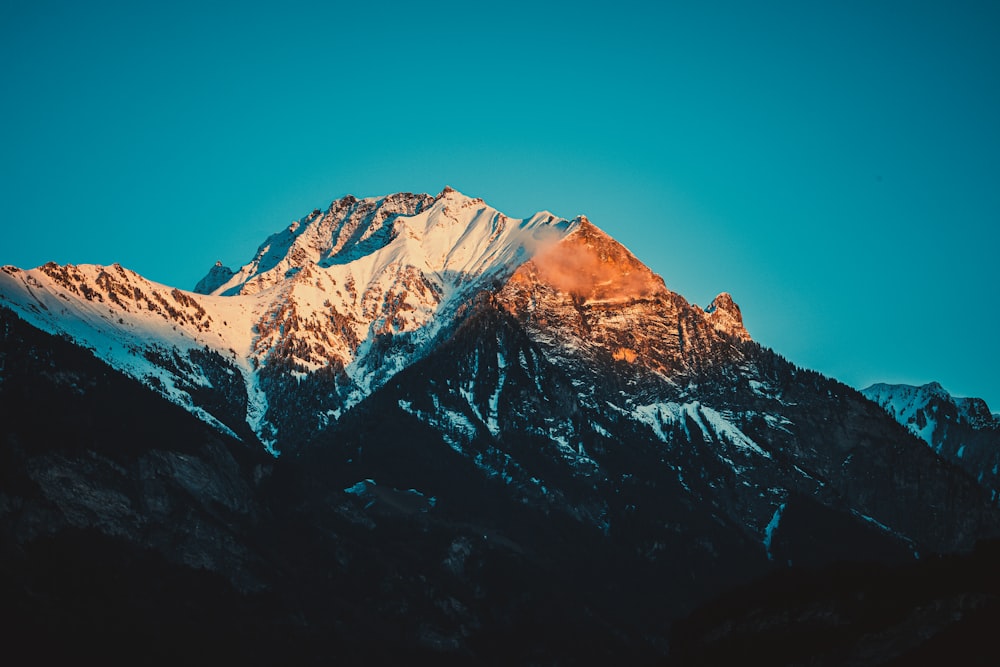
x=591 y=266
x=625 y=354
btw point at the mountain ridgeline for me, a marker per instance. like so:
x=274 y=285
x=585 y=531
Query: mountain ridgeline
x=412 y=426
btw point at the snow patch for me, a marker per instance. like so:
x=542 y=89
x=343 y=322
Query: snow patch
x=772 y=526
x=360 y=488
x=712 y=424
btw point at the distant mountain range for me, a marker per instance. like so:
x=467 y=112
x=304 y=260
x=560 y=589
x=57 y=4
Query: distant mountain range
x=413 y=427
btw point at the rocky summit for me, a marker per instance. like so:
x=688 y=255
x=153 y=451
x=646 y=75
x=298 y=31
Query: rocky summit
x=414 y=428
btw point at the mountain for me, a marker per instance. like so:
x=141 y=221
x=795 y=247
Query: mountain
x=414 y=426
x=337 y=303
x=963 y=430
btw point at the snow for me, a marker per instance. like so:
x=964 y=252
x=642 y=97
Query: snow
x=600 y=430
x=808 y=476
x=777 y=422
x=467 y=389
x=457 y=427
x=493 y=403
x=360 y=488
x=872 y=521
x=723 y=428
x=431 y=500
x=120 y=328
x=904 y=402
x=772 y=525
x=713 y=425
x=881 y=526
x=655 y=415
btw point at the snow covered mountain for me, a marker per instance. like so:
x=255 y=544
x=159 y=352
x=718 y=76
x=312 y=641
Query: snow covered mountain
x=474 y=413
x=963 y=430
x=338 y=302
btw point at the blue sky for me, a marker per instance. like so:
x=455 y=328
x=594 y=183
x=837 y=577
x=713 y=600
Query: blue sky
x=833 y=165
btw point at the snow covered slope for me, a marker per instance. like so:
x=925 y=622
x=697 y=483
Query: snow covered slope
x=962 y=430
x=916 y=408
x=160 y=335
x=336 y=304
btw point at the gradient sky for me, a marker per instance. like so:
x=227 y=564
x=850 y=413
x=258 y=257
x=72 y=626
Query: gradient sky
x=835 y=166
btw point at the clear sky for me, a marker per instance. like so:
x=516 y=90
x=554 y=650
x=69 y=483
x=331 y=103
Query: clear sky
x=835 y=166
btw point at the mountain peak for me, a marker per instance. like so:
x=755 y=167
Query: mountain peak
x=917 y=407
x=923 y=392
x=217 y=276
x=451 y=194
x=450 y=232
x=725 y=316
x=348 y=229
x=591 y=266
x=962 y=430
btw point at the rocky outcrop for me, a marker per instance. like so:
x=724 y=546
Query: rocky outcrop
x=725 y=316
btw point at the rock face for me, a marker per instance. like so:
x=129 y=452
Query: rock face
x=726 y=316
x=499 y=438
x=962 y=430
x=217 y=276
